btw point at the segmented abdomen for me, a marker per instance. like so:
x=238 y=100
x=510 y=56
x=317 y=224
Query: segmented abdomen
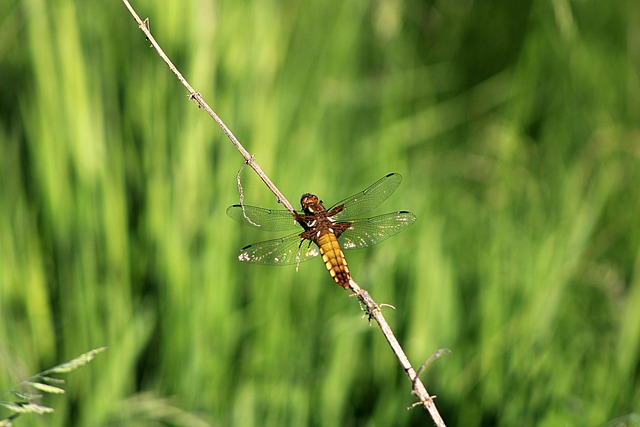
x=334 y=259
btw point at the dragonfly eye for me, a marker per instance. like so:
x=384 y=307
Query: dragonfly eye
x=311 y=204
x=308 y=199
x=305 y=197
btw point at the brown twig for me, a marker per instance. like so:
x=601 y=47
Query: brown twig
x=373 y=309
x=197 y=97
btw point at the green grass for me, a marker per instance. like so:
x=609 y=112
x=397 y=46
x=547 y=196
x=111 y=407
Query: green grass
x=515 y=128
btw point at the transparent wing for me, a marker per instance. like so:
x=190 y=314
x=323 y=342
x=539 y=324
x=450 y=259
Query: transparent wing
x=369 y=198
x=371 y=231
x=265 y=219
x=283 y=251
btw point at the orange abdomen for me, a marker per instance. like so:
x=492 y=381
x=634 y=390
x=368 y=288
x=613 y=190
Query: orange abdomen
x=334 y=259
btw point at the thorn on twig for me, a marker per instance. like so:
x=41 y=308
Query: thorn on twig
x=418 y=403
x=146 y=25
x=369 y=313
x=195 y=97
x=363 y=307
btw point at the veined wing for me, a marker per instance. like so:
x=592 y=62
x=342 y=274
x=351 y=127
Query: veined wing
x=265 y=219
x=371 y=231
x=369 y=198
x=283 y=251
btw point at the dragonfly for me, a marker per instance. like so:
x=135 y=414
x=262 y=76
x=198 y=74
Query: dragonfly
x=325 y=232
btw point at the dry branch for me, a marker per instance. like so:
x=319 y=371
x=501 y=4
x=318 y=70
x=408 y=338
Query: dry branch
x=373 y=309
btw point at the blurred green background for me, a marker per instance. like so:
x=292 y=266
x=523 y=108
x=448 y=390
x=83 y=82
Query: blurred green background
x=516 y=126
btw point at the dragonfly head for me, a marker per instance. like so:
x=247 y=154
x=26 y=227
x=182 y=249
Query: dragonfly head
x=311 y=204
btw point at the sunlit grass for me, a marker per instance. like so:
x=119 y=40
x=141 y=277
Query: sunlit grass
x=518 y=141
